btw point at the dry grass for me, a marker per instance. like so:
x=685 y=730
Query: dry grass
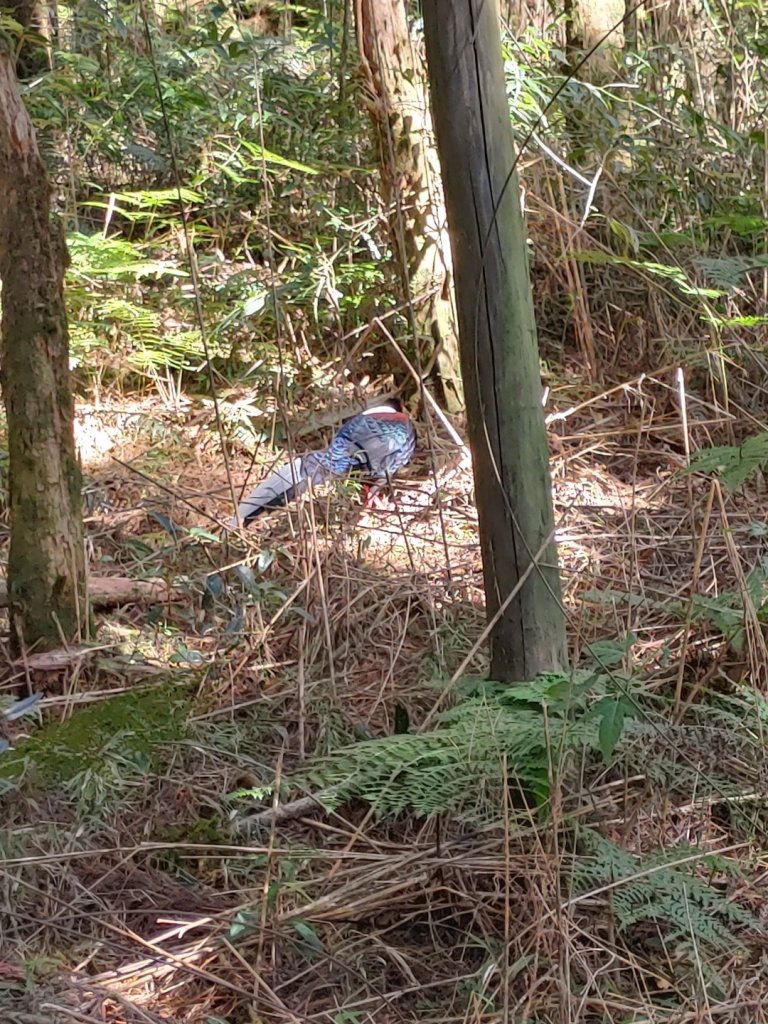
x=158 y=905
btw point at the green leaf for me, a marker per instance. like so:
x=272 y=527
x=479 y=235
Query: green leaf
x=255 y=303
x=244 y=922
x=738 y=223
x=186 y=656
x=626 y=234
x=571 y=687
x=609 y=653
x=309 y=938
x=663 y=887
x=729 y=271
x=274 y=158
x=734 y=321
x=676 y=275
x=612 y=712
x=734 y=464
x=200 y=534
x=246 y=576
x=265 y=559
x=272 y=893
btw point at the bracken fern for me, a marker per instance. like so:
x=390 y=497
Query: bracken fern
x=532 y=728
x=663 y=887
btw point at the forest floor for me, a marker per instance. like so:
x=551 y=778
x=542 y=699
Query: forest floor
x=138 y=887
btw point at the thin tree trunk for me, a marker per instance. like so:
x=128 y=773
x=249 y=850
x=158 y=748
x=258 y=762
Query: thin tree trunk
x=499 y=351
x=46 y=564
x=34 y=55
x=411 y=184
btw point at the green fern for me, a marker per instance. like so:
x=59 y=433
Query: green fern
x=717 y=750
x=149 y=204
x=179 y=351
x=531 y=727
x=734 y=464
x=663 y=887
x=729 y=272
x=674 y=274
x=428 y=774
x=100 y=310
x=95 y=256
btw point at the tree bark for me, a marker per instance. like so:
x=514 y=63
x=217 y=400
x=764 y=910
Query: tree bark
x=46 y=563
x=499 y=351
x=34 y=54
x=398 y=107
x=593 y=22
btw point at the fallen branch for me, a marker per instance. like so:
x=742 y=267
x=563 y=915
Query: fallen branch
x=109 y=591
x=55 y=661
x=283 y=812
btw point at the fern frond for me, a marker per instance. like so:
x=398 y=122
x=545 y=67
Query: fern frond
x=663 y=887
x=96 y=256
x=729 y=272
x=429 y=773
x=734 y=464
x=179 y=351
x=725 y=612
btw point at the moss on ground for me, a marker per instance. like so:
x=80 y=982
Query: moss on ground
x=129 y=728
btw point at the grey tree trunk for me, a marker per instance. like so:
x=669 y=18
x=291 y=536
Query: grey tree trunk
x=497 y=330
x=46 y=563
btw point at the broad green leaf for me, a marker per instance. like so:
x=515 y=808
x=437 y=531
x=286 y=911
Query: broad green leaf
x=244 y=922
x=608 y=653
x=612 y=712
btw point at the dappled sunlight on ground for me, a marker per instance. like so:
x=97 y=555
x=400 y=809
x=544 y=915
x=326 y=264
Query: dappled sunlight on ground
x=411 y=561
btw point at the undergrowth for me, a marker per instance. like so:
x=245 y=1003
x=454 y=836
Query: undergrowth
x=581 y=847
x=100 y=748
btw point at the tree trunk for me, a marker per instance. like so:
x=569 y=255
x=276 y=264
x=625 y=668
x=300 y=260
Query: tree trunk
x=46 y=563
x=397 y=104
x=499 y=351
x=595 y=23
x=34 y=55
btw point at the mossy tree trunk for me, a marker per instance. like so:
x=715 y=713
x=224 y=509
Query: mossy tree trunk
x=499 y=350
x=46 y=563
x=399 y=110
